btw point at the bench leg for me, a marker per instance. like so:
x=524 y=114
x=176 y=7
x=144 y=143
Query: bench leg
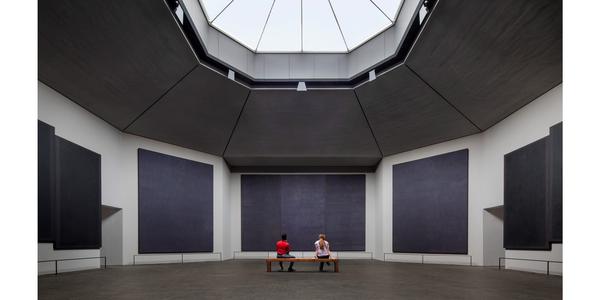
x=336 y=267
x=268 y=266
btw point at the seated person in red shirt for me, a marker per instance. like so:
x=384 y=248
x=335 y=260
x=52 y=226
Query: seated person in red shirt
x=283 y=251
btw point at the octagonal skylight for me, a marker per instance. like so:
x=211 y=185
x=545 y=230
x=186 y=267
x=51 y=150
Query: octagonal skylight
x=317 y=26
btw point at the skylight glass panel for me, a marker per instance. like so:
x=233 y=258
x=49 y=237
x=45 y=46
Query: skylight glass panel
x=320 y=30
x=325 y=26
x=359 y=20
x=283 y=30
x=212 y=8
x=389 y=7
x=244 y=20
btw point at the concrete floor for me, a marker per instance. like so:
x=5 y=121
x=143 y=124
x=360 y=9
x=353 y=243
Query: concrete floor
x=243 y=279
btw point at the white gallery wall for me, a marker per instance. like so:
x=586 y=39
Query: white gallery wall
x=119 y=179
x=112 y=239
x=527 y=125
x=75 y=124
x=486 y=181
x=384 y=178
x=486 y=164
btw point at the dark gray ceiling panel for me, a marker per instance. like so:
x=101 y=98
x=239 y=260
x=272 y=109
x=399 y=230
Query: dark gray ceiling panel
x=313 y=128
x=490 y=58
x=406 y=114
x=199 y=113
x=114 y=58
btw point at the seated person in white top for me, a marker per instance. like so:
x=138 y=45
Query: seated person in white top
x=322 y=250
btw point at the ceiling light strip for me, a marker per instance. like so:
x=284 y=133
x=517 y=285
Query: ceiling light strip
x=338 y=25
x=265 y=26
x=382 y=11
x=224 y=8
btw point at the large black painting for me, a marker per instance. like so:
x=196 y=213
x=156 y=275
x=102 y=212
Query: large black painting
x=430 y=204
x=525 y=217
x=78 y=197
x=46 y=183
x=303 y=209
x=554 y=188
x=303 y=206
x=345 y=211
x=533 y=194
x=175 y=204
x=261 y=212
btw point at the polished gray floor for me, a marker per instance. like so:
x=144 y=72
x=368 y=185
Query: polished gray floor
x=248 y=280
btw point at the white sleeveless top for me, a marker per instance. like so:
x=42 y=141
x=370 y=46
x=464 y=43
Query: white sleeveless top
x=324 y=251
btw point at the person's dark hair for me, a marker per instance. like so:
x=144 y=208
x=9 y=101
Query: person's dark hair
x=284 y=236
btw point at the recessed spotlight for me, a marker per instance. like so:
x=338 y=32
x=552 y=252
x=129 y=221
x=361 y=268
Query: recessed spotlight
x=179 y=13
x=372 y=75
x=301 y=87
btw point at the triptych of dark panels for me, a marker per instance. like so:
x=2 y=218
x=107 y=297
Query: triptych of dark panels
x=69 y=193
x=303 y=206
x=533 y=194
x=175 y=204
x=430 y=204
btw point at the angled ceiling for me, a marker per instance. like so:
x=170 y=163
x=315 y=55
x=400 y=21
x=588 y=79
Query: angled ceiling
x=473 y=64
x=490 y=58
x=198 y=113
x=114 y=58
x=314 y=128
x=406 y=114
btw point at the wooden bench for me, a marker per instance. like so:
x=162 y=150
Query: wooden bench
x=335 y=261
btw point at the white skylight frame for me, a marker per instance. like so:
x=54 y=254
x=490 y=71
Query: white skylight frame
x=213 y=12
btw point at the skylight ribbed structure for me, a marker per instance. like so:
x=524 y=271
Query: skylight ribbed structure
x=296 y=26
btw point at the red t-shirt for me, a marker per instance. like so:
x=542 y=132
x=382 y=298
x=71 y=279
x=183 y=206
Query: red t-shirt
x=283 y=247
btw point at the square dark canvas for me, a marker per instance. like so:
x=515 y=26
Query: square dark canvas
x=175 y=204
x=430 y=204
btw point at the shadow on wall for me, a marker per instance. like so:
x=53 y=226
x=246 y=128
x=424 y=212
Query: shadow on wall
x=112 y=235
x=492 y=235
